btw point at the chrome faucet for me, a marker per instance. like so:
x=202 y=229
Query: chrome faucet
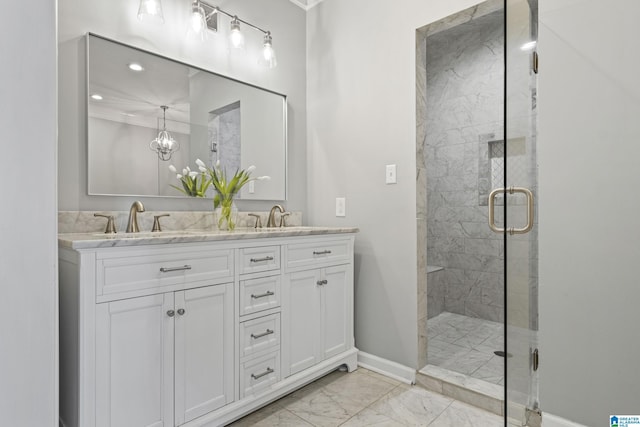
x=271 y=222
x=132 y=225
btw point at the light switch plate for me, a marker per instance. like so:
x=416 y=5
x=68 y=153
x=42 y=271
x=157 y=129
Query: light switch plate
x=252 y=187
x=391 y=174
x=341 y=207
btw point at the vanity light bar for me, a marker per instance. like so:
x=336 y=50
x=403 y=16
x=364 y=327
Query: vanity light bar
x=211 y=17
x=205 y=16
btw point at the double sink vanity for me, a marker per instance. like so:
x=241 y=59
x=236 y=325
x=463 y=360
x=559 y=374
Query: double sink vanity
x=194 y=326
x=199 y=327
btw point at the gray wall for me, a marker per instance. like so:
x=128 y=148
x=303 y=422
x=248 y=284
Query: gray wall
x=117 y=20
x=588 y=150
x=465 y=81
x=361 y=116
x=28 y=254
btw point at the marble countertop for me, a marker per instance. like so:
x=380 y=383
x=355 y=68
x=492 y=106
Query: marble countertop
x=102 y=240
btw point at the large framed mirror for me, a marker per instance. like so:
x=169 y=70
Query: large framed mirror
x=133 y=95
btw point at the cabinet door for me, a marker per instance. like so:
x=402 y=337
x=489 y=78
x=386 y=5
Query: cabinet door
x=302 y=311
x=204 y=350
x=134 y=362
x=337 y=310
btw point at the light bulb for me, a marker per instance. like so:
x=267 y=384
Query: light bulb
x=236 y=36
x=150 y=10
x=268 y=57
x=198 y=23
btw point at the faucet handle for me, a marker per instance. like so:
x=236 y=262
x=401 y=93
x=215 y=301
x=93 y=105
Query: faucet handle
x=258 y=220
x=156 y=223
x=283 y=217
x=111 y=226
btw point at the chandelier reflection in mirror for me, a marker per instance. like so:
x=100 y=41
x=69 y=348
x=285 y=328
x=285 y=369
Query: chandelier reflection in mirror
x=205 y=17
x=164 y=144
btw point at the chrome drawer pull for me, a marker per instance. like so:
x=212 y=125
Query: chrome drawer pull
x=321 y=282
x=325 y=252
x=267 y=258
x=167 y=270
x=264 y=334
x=267 y=372
x=266 y=294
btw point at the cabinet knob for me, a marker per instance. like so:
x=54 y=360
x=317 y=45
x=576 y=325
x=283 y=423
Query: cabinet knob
x=171 y=313
x=322 y=282
x=181 y=311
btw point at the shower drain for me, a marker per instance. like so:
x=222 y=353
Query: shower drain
x=502 y=353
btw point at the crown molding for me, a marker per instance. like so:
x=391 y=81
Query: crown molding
x=305 y=4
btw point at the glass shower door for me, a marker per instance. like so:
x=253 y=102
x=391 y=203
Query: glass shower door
x=520 y=212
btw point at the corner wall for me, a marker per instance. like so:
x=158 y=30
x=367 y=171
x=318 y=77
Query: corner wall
x=589 y=105
x=361 y=88
x=28 y=248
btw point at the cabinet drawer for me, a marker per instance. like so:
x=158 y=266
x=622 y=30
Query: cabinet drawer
x=260 y=373
x=264 y=258
x=126 y=274
x=259 y=335
x=259 y=294
x=318 y=253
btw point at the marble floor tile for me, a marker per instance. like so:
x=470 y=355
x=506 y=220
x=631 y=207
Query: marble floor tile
x=411 y=405
x=381 y=377
x=470 y=340
x=272 y=415
x=468 y=362
x=337 y=397
x=368 y=417
x=365 y=398
x=459 y=414
x=465 y=344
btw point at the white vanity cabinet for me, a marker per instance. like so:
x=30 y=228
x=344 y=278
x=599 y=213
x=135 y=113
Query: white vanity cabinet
x=165 y=351
x=199 y=333
x=318 y=302
x=318 y=306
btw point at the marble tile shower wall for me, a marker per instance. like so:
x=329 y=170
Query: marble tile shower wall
x=464 y=112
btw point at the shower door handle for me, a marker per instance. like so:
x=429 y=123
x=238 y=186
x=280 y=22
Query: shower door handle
x=511 y=190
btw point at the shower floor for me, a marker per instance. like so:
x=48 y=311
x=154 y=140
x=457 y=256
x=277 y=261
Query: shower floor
x=466 y=345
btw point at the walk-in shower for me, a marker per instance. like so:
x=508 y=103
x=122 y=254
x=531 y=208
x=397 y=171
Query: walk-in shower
x=464 y=161
x=470 y=142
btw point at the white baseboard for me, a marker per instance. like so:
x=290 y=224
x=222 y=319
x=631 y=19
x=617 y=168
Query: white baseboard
x=387 y=367
x=549 y=420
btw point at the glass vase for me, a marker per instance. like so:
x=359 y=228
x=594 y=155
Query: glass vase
x=226 y=215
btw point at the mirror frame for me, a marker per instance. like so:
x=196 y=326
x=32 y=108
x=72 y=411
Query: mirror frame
x=285 y=108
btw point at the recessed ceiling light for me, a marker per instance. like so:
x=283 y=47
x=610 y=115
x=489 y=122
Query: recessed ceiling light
x=97 y=97
x=136 y=67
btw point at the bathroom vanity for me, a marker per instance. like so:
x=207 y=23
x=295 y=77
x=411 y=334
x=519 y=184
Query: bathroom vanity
x=199 y=328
